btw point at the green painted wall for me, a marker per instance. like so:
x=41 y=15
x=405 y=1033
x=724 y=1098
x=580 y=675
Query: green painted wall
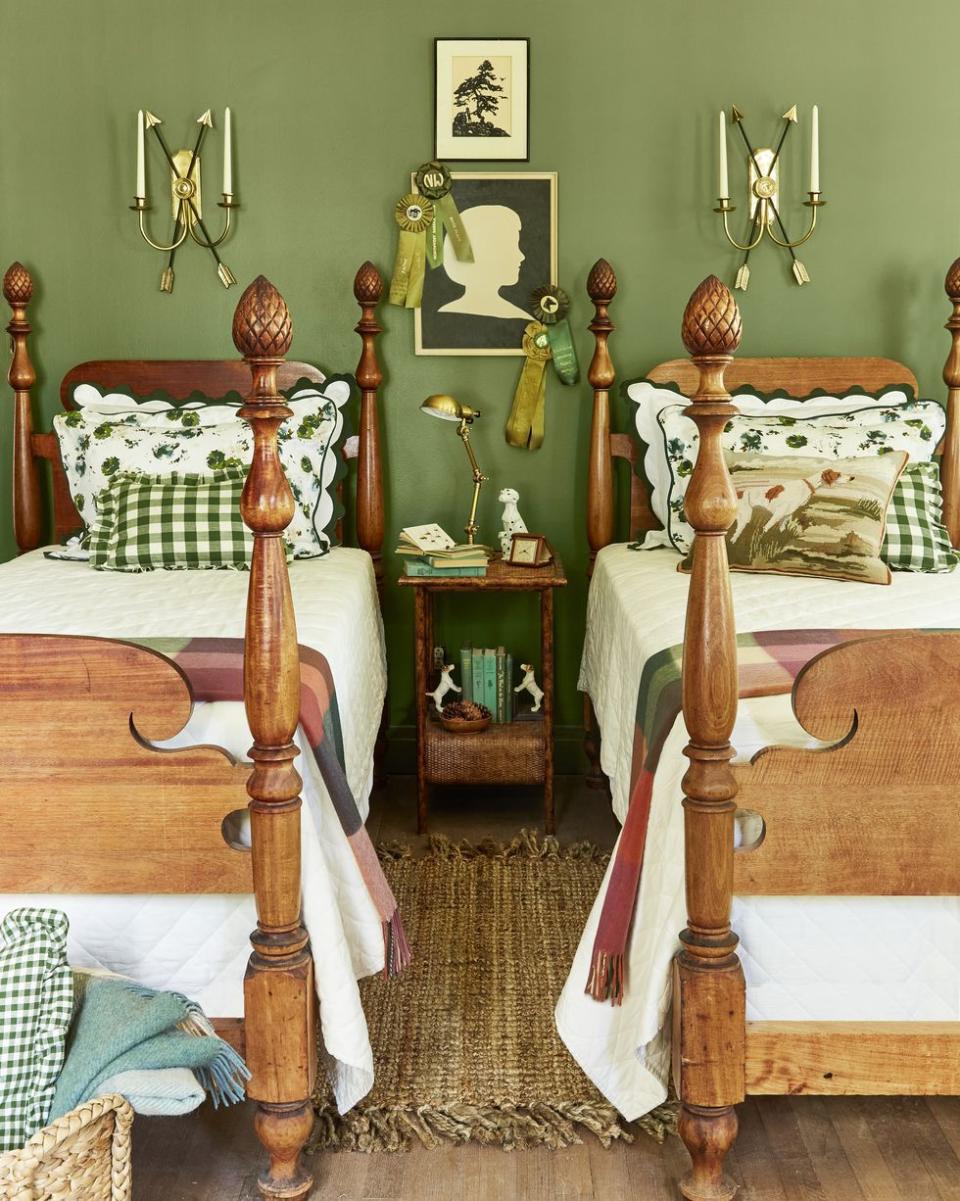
x=332 y=103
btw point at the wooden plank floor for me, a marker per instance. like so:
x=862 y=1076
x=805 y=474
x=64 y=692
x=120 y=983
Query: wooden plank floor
x=789 y=1149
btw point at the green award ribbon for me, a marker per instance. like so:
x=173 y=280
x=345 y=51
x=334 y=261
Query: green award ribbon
x=550 y=306
x=433 y=180
x=525 y=425
x=414 y=215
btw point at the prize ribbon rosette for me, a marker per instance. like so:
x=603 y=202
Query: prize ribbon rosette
x=414 y=214
x=433 y=181
x=550 y=306
x=525 y=425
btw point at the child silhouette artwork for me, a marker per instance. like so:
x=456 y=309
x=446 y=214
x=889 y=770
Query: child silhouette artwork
x=494 y=232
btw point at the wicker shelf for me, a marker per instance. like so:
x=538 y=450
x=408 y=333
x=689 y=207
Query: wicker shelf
x=510 y=753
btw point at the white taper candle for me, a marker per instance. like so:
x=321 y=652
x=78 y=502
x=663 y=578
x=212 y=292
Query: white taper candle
x=724 y=192
x=815 y=150
x=141 y=192
x=227 y=156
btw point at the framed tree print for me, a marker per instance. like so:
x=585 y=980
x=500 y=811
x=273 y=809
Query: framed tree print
x=482 y=307
x=482 y=99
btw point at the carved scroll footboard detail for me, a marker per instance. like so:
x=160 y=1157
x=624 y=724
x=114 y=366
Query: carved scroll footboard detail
x=87 y=805
x=876 y=812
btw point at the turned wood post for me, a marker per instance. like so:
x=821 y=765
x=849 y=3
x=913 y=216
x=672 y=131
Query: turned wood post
x=368 y=289
x=601 y=288
x=709 y=997
x=279 y=998
x=950 y=462
x=27 y=510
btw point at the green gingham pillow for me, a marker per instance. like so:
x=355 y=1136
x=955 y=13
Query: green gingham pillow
x=36 y=1005
x=145 y=522
x=916 y=539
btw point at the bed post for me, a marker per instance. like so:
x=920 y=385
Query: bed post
x=950 y=462
x=601 y=288
x=27 y=510
x=279 y=998
x=709 y=994
x=368 y=288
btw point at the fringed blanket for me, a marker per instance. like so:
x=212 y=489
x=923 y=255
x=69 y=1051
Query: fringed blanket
x=768 y=665
x=214 y=669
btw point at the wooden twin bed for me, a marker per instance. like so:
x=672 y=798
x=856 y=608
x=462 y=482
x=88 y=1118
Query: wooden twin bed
x=79 y=714
x=873 y=815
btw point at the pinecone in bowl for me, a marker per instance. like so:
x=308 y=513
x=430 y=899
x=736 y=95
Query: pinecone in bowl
x=465 y=711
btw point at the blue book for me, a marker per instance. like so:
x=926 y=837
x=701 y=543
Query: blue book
x=476 y=674
x=417 y=567
x=501 y=710
x=466 y=673
x=490 y=679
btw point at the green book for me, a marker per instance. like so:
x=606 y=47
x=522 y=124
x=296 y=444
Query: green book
x=466 y=673
x=490 y=679
x=476 y=674
x=419 y=567
x=501 y=710
x=510 y=697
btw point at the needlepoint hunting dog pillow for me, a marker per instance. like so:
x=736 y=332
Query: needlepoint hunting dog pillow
x=806 y=516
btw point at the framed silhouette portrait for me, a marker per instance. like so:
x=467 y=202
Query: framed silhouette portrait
x=482 y=307
x=482 y=99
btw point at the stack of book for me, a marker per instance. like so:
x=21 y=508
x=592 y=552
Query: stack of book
x=427 y=551
x=486 y=678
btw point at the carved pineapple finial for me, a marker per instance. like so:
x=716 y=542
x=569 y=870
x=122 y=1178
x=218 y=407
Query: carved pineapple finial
x=368 y=284
x=711 y=320
x=17 y=285
x=952 y=283
x=262 y=328
x=601 y=282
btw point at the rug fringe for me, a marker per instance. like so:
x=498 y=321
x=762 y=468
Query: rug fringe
x=528 y=844
x=511 y=1127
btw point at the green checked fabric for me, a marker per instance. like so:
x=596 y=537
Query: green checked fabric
x=36 y=1005
x=183 y=520
x=915 y=537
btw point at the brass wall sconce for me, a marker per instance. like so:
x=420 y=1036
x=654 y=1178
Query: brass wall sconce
x=449 y=409
x=763 y=190
x=186 y=205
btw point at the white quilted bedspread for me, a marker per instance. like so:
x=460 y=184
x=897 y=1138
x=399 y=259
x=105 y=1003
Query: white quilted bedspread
x=810 y=958
x=198 y=945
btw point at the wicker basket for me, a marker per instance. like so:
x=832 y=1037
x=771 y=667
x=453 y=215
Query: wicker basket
x=83 y=1156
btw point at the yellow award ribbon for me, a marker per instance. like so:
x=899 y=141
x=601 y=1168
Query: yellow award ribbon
x=414 y=215
x=434 y=181
x=526 y=423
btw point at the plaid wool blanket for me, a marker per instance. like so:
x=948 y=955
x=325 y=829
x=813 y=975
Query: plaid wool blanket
x=214 y=669
x=768 y=665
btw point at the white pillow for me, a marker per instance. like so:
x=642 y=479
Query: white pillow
x=650 y=398
x=113 y=432
x=915 y=427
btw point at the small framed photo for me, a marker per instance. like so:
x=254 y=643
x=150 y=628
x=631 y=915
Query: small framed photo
x=529 y=550
x=482 y=99
x=483 y=307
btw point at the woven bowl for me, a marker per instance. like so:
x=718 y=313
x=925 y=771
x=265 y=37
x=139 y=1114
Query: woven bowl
x=456 y=725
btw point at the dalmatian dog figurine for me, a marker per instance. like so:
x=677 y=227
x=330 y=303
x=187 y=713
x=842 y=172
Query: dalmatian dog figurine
x=511 y=521
x=446 y=685
x=531 y=686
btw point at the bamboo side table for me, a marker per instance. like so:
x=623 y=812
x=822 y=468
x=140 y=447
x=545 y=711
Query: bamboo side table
x=516 y=752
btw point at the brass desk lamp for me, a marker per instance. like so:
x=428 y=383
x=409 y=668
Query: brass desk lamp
x=449 y=409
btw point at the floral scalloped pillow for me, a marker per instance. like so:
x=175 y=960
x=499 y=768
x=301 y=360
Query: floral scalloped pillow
x=111 y=433
x=914 y=426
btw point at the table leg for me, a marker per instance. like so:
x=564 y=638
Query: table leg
x=546 y=666
x=424 y=649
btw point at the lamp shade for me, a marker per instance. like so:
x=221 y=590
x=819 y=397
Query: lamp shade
x=448 y=408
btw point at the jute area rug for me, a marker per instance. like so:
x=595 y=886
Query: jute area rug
x=464 y=1042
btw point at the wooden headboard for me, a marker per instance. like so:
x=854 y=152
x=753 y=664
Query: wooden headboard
x=179 y=379
x=797 y=377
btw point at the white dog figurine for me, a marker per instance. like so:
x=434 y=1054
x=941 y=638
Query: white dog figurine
x=511 y=521
x=531 y=685
x=782 y=500
x=446 y=685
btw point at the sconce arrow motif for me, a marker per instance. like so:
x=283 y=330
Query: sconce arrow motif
x=186 y=196
x=764 y=191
